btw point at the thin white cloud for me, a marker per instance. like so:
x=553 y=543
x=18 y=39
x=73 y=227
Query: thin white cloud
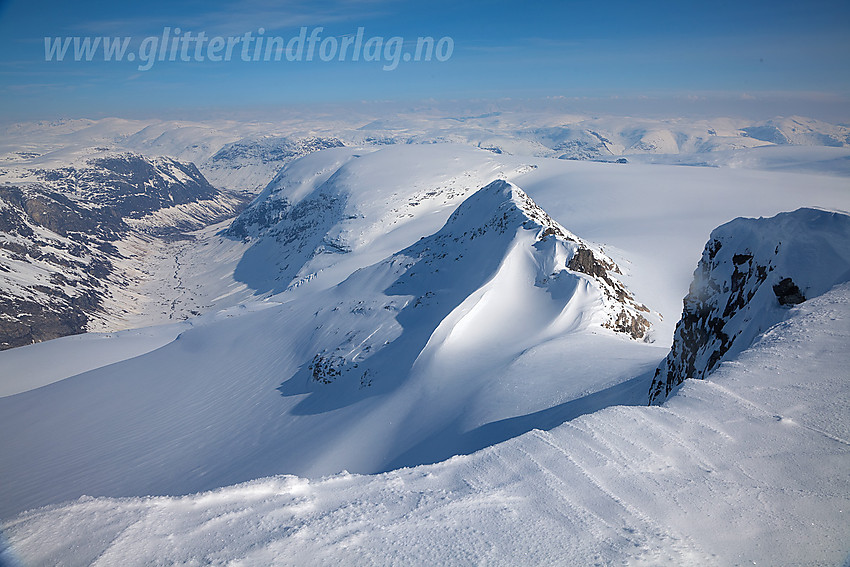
x=253 y=14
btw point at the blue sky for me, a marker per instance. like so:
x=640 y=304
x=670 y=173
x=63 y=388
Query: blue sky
x=793 y=51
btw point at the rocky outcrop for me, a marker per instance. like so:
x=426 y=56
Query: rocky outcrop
x=787 y=292
x=751 y=272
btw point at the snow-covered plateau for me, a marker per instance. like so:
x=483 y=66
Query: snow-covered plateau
x=427 y=340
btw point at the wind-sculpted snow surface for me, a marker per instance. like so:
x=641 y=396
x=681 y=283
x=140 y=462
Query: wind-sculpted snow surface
x=747 y=467
x=401 y=315
x=751 y=272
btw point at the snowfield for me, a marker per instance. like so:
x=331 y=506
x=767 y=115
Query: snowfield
x=747 y=467
x=432 y=341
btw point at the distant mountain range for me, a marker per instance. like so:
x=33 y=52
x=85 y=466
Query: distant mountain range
x=244 y=156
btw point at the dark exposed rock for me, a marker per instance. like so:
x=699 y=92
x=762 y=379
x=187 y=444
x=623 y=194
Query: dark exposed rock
x=583 y=261
x=634 y=325
x=24 y=322
x=262 y=215
x=788 y=293
x=326 y=369
x=628 y=322
x=701 y=338
x=723 y=286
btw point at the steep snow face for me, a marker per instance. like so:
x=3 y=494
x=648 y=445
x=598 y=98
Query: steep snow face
x=289 y=222
x=751 y=272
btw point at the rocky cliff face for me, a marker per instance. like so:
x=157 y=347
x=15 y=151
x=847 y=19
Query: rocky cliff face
x=61 y=231
x=751 y=272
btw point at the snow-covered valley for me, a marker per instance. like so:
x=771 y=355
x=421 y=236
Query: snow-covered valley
x=414 y=348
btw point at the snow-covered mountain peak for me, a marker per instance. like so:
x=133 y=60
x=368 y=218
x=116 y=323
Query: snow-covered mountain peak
x=502 y=204
x=332 y=212
x=501 y=273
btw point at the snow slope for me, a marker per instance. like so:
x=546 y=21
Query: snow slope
x=747 y=467
x=259 y=368
x=23 y=371
x=449 y=345
x=330 y=213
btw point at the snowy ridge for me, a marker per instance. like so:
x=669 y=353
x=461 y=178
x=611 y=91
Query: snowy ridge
x=501 y=274
x=751 y=271
x=556 y=251
x=331 y=212
x=695 y=482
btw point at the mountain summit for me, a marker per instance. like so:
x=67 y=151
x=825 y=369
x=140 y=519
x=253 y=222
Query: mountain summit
x=500 y=275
